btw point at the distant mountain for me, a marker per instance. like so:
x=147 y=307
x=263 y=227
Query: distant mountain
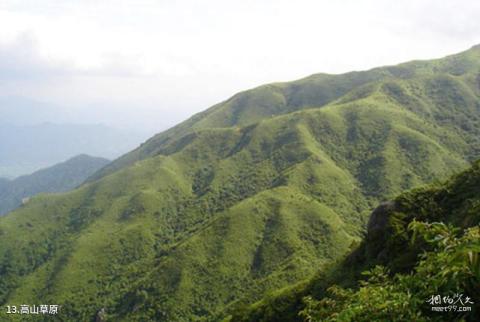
x=255 y=194
x=3 y=182
x=27 y=148
x=58 y=178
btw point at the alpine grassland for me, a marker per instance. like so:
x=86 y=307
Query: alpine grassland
x=254 y=195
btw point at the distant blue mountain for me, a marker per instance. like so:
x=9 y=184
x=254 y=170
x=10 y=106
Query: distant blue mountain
x=58 y=178
x=26 y=148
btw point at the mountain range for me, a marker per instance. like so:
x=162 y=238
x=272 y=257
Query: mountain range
x=257 y=193
x=58 y=178
x=25 y=148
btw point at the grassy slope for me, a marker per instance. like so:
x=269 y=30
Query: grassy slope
x=319 y=90
x=244 y=198
x=456 y=201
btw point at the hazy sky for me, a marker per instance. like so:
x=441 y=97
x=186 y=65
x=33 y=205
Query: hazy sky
x=153 y=63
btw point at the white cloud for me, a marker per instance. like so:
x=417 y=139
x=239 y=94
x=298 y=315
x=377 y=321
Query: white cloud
x=173 y=58
x=20 y=60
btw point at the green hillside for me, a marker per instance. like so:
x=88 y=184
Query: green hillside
x=425 y=242
x=252 y=195
x=418 y=86
x=58 y=178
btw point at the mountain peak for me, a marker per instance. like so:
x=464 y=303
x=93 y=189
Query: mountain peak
x=86 y=157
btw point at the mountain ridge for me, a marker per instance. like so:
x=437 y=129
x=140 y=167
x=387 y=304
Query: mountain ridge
x=57 y=178
x=209 y=215
x=359 y=78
